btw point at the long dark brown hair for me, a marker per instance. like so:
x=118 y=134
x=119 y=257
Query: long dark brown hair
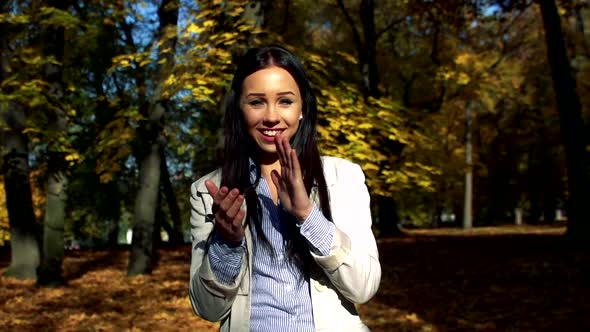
x=239 y=147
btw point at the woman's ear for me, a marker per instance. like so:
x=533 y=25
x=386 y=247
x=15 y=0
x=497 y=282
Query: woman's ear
x=300 y=117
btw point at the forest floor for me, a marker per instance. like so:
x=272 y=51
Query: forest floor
x=487 y=279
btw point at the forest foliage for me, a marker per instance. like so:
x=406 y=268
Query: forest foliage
x=434 y=60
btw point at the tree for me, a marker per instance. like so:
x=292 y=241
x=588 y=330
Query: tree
x=366 y=51
x=572 y=126
x=24 y=240
x=150 y=157
x=53 y=47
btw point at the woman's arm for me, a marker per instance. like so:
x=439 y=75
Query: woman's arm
x=211 y=299
x=352 y=264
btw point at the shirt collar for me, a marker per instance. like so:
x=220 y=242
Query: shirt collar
x=253 y=169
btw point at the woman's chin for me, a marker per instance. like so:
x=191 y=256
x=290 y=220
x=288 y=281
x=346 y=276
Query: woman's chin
x=268 y=152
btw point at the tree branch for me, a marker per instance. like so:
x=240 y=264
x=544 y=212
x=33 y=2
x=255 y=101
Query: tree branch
x=389 y=26
x=355 y=33
x=285 y=17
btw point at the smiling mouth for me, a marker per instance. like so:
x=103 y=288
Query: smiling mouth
x=271 y=132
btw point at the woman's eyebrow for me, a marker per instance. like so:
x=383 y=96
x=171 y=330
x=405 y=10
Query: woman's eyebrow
x=255 y=94
x=260 y=94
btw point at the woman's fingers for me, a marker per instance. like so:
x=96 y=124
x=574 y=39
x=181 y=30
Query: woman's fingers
x=233 y=210
x=211 y=188
x=218 y=195
x=276 y=178
x=295 y=162
x=228 y=200
x=226 y=203
x=280 y=149
x=287 y=151
x=237 y=226
x=227 y=210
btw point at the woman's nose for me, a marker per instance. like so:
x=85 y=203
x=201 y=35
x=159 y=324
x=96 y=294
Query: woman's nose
x=271 y=114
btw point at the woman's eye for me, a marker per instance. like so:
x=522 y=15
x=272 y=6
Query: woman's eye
x=255 y=103
x=286 y=102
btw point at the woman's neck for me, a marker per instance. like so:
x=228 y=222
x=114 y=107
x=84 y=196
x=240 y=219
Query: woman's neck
x=267 y=166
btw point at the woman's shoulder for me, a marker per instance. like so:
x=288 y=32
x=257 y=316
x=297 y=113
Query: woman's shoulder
x=328 y=161
x=336 y=168
x=199 y=185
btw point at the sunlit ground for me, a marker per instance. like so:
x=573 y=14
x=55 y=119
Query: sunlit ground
x=487 y=279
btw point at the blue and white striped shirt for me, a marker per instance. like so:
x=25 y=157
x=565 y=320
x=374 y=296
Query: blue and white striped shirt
x=280 y=299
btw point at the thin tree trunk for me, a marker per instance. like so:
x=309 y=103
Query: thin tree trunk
x=176 y=234
x=113 y=236
x=572 y=127
x=369 y=68
x=467 y=207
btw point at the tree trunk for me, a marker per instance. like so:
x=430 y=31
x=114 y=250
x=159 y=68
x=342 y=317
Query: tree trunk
x=49 y=272
x=113 y=236
x=572 y=127
x=146 y=201
x=176 y=236
x=24 y=230
x=388 y=217
x=368 y=51
x=468 y=202
x=366 y=48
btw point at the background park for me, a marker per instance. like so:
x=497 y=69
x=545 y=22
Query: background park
x=469 y=118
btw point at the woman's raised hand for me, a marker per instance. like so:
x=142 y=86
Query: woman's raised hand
x=289 y=183
x=228 y=213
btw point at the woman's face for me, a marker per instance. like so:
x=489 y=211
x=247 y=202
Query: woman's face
x=272 y=104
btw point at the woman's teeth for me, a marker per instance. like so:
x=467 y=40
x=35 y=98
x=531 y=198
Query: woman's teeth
x=271 y=133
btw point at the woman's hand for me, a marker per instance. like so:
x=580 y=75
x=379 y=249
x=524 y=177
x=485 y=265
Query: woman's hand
x=228 y=213
x=289 y=183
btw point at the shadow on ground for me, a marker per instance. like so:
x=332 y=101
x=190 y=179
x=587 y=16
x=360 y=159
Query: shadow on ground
x=431 y=282
x=481 y=283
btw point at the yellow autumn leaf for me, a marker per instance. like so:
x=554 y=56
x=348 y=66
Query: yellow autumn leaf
x=463 y=58
x=365 y=125
x=370 y=166
x=412 y=317
x=72 y=157
x=193 y=28
x=463 y=79
x=170 y=80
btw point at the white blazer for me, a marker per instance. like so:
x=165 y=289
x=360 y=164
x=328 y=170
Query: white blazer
x=349 y=274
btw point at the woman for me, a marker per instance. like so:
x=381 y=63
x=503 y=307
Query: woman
x=282 y=237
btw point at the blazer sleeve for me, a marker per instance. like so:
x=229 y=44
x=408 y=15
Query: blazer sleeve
x=210 y=299
x=353 y=263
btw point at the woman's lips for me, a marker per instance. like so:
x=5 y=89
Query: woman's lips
x=269 y=134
